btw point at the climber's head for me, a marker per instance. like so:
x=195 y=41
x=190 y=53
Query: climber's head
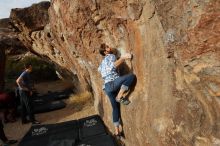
x=105 y=49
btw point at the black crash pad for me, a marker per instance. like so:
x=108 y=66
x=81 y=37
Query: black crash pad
x=91 y=126
x=101 y=140
x=61 y=134
x=48 y=106
x=51 y=96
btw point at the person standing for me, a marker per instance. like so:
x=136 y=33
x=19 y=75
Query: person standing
x=25 y=91
x=115 y=86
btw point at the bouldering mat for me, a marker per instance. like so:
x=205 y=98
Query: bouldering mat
x=91 y=126
x=48 y=106
x=100 y=140
x=60 y=134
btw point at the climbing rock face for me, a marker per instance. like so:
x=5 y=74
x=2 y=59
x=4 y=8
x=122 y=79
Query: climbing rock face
x=176 y=58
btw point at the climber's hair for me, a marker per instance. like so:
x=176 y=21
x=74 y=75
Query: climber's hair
x=102 y=49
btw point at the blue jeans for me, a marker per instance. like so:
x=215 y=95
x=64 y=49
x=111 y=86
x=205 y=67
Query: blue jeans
x=112 y=88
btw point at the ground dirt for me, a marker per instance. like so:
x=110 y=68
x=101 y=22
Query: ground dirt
x=79 y=105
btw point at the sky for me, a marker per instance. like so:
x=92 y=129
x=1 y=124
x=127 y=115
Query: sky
x=7 y=5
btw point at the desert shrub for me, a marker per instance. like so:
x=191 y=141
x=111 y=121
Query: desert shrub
x=42 y=70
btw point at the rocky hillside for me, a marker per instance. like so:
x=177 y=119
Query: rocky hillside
x=9 y=44
x=176 y=49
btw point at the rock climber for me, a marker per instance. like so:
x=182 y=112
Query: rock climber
x=115 y=86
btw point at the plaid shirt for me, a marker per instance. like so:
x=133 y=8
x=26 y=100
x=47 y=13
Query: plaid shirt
x=107 y=68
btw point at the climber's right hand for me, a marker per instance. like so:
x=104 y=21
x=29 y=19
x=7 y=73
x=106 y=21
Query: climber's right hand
x=127 y=56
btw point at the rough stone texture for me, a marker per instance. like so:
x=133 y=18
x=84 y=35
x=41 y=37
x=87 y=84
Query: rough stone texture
x=9 y=38
x=176 y=48
x=3 y=29
x=28 y=20
x=2 y=69
x=9 y=45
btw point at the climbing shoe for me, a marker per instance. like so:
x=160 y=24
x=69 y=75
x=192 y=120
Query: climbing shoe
x=124 y=95
x=35 y=122
x=9 y=142
x=119 y=136
x=123 y=100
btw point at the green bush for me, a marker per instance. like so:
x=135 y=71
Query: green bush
x=42 y=70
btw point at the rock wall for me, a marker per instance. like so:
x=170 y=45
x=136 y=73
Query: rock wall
x=9 y=38
x=9 y=45
x=176 y=48
x=2 y=53
x=2 y=69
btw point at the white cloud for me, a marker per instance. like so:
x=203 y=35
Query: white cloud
x=7 y=5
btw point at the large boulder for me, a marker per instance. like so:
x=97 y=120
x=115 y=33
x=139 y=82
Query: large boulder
x=28 y=20
x=9 y=45
x=176 y=51
x=2 y=67
x=9 y=38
